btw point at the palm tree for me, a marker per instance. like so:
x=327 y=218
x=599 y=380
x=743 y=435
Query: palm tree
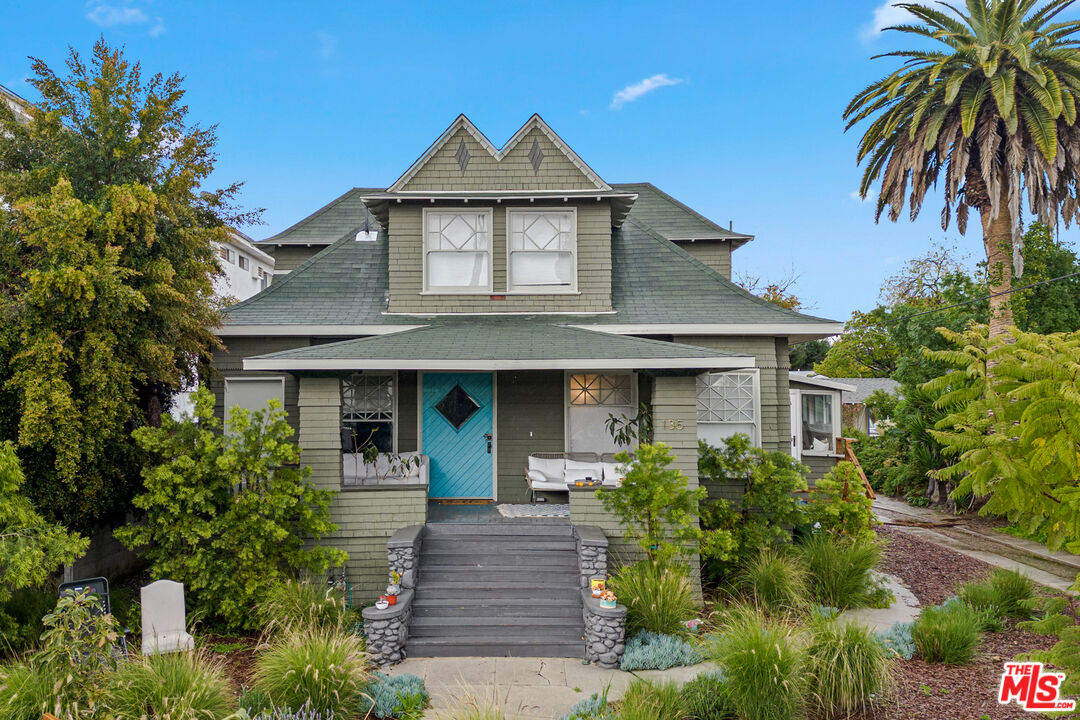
x=994 y=110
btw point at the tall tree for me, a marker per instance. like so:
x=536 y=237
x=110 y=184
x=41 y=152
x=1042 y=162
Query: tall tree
x=994 y=109
x=106 y=262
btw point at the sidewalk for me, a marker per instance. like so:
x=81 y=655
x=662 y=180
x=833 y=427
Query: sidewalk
x=526 y=688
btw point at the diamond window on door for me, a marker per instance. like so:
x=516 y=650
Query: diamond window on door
x=457 y=407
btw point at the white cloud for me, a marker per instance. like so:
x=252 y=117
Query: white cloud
x=870 y=197
x=885 y=15
x=630 y=93
x=158 y=28
x=108 y=15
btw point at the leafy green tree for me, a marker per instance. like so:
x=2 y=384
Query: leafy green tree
x=30 y=546
x=865 y=348
x=656 y=506
x=107 y=257
x=804 y=355
x=991 y=111
x=229 y=514
x=839 y=504
x=1055 y=306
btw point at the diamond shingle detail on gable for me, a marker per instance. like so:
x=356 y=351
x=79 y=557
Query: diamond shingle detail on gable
x=536 y=156
x=462 y=155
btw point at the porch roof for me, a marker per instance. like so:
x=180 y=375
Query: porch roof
x=498 y=344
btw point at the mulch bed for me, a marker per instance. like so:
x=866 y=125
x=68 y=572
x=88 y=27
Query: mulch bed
x=925 y=691
x=237 y=655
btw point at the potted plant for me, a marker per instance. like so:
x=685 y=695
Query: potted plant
x=394 y=587
x=382 y=603
x=607 y=599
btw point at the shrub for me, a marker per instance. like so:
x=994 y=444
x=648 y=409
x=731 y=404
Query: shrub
x=324 y=669
x=647 y=701
x=847 y=666
x=21 y=616
x=302 y=605
x=594 y=707
x=762 y=665
x=394 y=696
x=657 y=595
x=169 y=686
x=304 y=713
x=769 y=507
x=254 y=701
x=897 y=640
x=773 y=580
x=652 y=651
x=839 y=504
x=947 y=633
x=229 y=514
x=706 y=698
x=839 y=571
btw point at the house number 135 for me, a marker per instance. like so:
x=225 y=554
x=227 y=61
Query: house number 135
x=675 y=425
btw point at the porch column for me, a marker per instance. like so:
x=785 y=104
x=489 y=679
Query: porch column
x=674 y=409
x=320 y=436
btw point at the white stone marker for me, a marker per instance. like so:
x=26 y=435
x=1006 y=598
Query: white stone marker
x=164 y=627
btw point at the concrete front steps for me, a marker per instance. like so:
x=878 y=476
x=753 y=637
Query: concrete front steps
x=497 y=589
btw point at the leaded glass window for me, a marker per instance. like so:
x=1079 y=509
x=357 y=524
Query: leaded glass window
x=726 y=398
x=367 y=411
x=457 y=251
x=601 y=389
x=541 y=251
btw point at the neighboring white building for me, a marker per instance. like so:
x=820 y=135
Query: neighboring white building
x=16 y=103
x=245 y=269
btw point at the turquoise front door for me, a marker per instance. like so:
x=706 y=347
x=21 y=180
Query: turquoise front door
x=457 y=415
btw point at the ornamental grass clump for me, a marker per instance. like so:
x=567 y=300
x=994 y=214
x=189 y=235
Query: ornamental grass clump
x=653 y=651
x=839 y=571
x=168 y=686
x=947 y=633
x=762 y=664
x=324 y=670
x=1012 y=592
x=657 y=595
x=27 y=691
x=303 y=605
x=647 y=701
x=847 y=668
x=706 y=698
x=774 y=581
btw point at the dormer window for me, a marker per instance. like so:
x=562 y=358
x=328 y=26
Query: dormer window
x=541 y=251
x=457 y=251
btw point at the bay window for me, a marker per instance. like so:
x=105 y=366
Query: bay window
x=457 y=251
x=541 y=251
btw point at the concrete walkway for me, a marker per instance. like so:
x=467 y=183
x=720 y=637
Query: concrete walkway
x=1055 y=570
x=525 y=688
x=904 y=609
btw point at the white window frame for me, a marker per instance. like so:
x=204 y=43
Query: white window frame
x=541 y=289
x=457 y=290
x=243 y=262
x=393 y=399
x=568 y=406
x=835 y=413
x=756 y=390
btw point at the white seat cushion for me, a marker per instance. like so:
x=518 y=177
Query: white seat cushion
x=577 y=470
x=539 y=481
x=552 y=469
x=613 y=476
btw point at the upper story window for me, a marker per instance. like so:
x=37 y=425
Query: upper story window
x=457 y=251
x=242 y=262
x=541 y=251
x=226 y=254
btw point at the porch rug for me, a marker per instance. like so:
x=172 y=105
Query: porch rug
x=539 y=510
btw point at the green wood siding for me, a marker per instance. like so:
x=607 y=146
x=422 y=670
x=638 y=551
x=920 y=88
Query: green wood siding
x=714 y=253
x=289 y=257
x=229 y=362
x=513 y=172
x=530 y=419
x=406 y=411
x=771 y=358
x=366 y=517
x=593 y=258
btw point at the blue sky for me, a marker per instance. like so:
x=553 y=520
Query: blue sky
x=732 y=107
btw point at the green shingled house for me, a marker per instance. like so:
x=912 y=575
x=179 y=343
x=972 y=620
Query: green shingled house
x=492 y=304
